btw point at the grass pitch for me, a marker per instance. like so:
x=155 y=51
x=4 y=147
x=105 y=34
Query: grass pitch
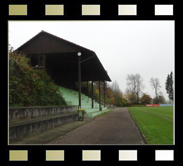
x=155 y=123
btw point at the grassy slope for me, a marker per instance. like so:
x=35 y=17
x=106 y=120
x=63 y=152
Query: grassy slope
x=156 y=123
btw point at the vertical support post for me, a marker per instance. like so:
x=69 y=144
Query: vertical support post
x=79 y=78
x=99 y=98
x=92 y=93
x=104 y=93
x=87 y=88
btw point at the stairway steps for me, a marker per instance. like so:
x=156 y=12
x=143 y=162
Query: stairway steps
x=20 y=129
x=71 y=97
x=95 y=113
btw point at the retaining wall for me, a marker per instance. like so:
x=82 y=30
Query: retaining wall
x=158 y=105
x=20 y=131
x=24 y=122
x=33 y=112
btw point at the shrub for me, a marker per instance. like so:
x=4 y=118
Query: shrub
x=30 y=87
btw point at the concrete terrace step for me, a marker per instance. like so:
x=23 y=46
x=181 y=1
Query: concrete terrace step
x=52 y=134
x=20 y=129
x=96 y=113
x=94 y=109
x=71 y=98
x=43 y=118
x=21 y=113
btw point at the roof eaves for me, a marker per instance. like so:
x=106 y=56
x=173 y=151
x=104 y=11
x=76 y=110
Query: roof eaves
x=59 y=38
x=28 y=40
x=109 y=79
x=76 y=45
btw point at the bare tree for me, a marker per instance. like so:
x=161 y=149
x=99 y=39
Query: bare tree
x=115 y=87
x=130 y=96
x=155 y=84
x=135 y=84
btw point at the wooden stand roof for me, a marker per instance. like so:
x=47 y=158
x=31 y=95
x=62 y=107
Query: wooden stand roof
x=62 y=55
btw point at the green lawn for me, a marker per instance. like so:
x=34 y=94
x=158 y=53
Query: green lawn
x=156 y=123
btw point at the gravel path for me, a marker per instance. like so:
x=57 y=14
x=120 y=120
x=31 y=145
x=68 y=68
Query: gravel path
x=116 y=127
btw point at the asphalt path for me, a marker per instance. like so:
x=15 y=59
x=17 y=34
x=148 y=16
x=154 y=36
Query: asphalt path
x=116 y=127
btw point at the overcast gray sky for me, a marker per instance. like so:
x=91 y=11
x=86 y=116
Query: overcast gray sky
x=123 y=47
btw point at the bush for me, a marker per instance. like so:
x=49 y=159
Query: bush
x=30 y=87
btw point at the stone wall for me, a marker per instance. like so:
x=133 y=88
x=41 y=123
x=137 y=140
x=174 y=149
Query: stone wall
x=33 y=112
x=27 y=121
x=20 y=131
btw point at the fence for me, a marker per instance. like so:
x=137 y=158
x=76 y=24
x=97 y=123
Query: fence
x=158 y=105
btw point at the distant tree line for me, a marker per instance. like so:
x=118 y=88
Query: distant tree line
x=134 y=94
x=113 y=94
